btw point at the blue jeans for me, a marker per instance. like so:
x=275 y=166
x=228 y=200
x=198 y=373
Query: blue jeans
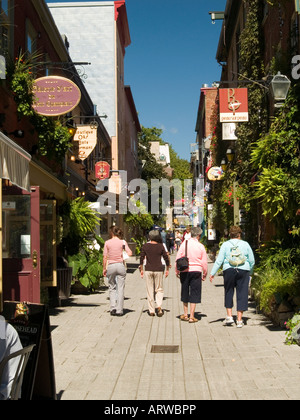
x=239 y=280
x=116 y=275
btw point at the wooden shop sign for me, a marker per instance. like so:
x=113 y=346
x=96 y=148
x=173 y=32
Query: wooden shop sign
x=55 y=96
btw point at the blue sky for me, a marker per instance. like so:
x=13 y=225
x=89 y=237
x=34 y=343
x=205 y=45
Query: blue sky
x=172 y=53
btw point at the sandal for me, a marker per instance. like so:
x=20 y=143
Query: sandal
x=184 y=318
x=192 y=320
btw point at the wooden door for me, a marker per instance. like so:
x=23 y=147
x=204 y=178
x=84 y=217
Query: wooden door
x=21 y=244
x=48 y=243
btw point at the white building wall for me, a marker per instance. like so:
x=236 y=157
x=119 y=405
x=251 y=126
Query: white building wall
x=90 y=29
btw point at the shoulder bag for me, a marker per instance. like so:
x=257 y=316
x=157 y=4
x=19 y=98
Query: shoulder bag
x=182 y=264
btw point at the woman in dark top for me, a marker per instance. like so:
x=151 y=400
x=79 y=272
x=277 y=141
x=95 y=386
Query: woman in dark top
x=153 y=252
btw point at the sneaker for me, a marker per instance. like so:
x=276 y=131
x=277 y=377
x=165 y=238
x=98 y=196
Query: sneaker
x=228 y=320
x=239 y=324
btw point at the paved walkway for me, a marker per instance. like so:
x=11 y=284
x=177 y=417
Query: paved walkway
x=99 y=357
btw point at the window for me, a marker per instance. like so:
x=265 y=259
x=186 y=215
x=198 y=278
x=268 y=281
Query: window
x=4 y=26
x=16 y=227
x=4 y=6
x=31 y=37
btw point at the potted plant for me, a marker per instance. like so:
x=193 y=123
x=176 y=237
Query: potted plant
x=87 y=265
x=293 y=333
x=83 y=248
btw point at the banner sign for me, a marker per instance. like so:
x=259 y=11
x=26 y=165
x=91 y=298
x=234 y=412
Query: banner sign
x=233 y=105
x=55 y=96
x=87 y=140
x=102 y=170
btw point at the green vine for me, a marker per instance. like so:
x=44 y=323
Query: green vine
x=54 y=138
x=22 y=85
x=277 y=157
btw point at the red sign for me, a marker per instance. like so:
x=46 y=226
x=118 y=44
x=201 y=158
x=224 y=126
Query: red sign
x=233 y=105
x=102 y=170
x=55 y=96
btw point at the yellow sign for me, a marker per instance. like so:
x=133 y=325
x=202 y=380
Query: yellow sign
x=87 y=139
x=215 y=173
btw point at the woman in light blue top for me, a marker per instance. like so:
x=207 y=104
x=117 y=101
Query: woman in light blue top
x=9 y=344
x=237 y=259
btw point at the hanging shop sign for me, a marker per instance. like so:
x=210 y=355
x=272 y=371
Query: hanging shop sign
x=86 y=136
x=215 y=173
x=233 y=105
x=228 y=131
x=55 y=96
x=102 y=170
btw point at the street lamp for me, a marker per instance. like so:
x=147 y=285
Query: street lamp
x=279 y=87
x=223 y=165
x=230 y=155
x=216 y=16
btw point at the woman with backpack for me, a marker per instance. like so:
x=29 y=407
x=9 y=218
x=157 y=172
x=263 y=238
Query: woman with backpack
x=237 y=259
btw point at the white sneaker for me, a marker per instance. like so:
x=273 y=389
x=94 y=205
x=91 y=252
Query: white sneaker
x=239 y=324
x=228 y=320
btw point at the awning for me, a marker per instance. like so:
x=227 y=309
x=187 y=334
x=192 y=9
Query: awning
x=14 y=163
x=47 y=182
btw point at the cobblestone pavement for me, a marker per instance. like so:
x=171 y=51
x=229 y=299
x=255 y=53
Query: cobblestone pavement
x=99 y=357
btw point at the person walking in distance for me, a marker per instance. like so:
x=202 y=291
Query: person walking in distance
x=153 y=251
x=191 y=279
x=115 y=270
x=237 y=259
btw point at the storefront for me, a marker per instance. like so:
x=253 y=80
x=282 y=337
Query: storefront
x=14 y=171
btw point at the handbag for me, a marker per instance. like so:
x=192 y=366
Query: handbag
x=182 y=264
x=125 y=255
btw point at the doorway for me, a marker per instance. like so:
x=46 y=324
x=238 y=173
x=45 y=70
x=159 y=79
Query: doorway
x=21 y=244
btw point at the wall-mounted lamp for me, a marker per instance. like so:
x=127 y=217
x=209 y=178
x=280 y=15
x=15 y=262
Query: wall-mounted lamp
x=216 y=16
x=223 y=165
x=279 y=87
x=72 y=131
x=230 y=155
x=74 y=159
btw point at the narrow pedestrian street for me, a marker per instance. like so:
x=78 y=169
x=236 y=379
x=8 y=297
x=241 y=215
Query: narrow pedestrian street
x=99 y=357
